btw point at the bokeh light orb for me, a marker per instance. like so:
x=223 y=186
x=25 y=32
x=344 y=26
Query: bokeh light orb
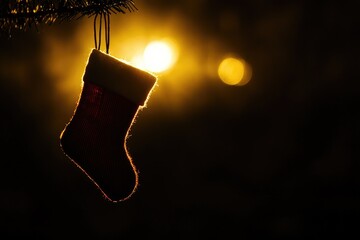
x=234 y=71
x=158 y=56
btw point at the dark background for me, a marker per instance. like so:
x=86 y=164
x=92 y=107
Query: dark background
x=277 y=158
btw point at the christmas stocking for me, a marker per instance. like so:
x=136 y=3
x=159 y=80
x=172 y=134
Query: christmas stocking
x=95 y=137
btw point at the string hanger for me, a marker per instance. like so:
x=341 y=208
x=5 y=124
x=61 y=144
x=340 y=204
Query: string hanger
x=98 y=20
x=102 y=14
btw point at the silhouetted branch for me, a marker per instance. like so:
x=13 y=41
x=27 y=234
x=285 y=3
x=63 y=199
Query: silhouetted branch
x=23 y=14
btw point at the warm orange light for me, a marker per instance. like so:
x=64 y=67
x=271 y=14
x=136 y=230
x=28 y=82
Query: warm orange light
x=234 y=71
x=158 y=56
x=138 y=61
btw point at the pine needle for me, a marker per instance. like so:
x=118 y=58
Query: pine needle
x=25 y=14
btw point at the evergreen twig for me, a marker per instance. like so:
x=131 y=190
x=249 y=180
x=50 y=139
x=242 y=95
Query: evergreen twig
x=24 y=14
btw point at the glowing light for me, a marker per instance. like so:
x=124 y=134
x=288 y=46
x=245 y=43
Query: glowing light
x=158 y=56
x=234 y=71
x=138 y=61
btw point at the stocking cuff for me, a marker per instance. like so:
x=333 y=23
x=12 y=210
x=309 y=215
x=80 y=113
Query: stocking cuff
x=119 y=77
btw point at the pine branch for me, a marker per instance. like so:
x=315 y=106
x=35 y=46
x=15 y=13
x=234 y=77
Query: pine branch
x=24 y=14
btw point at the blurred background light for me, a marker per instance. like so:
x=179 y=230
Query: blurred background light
x=234 y=71
x=158 y=56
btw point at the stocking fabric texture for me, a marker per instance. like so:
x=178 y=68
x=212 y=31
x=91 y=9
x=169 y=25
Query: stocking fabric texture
x=95 y=138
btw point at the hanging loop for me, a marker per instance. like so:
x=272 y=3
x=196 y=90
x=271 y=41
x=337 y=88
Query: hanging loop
x=98 y=21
